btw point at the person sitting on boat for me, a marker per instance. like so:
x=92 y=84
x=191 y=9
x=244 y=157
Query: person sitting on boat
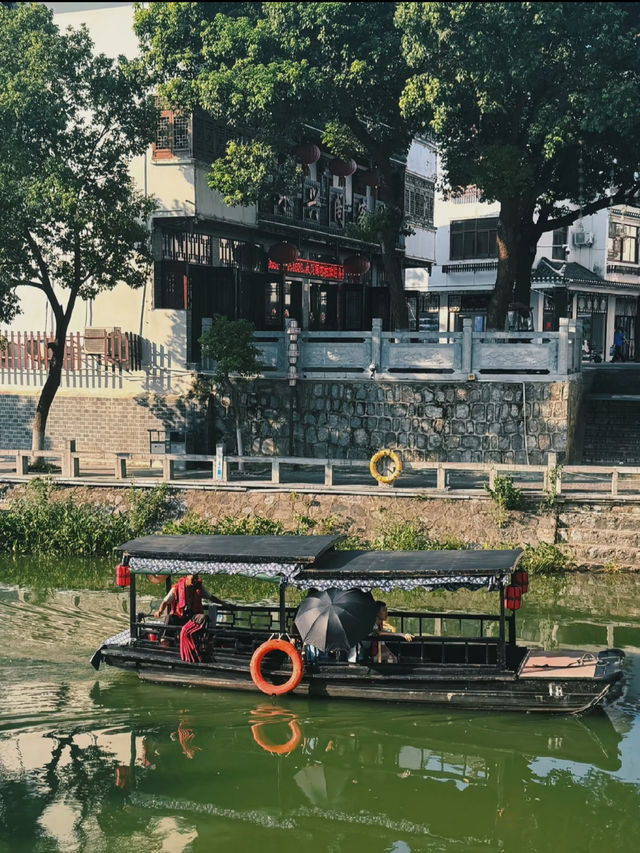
x=382 y=628
x=184 y=601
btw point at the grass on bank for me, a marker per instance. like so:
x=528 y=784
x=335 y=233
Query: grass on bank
x=45 y=521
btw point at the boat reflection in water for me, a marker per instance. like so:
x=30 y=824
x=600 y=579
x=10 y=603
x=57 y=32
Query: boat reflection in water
x=477 y=780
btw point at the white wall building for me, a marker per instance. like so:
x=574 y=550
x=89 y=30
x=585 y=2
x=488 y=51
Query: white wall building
x=594 y=264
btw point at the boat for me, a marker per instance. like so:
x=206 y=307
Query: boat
x=468 y=660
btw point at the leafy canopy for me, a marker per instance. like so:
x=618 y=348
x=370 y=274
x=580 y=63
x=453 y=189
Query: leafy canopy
x=230 y=343
x=70 y=122
x=520 y=94
x=270 y=70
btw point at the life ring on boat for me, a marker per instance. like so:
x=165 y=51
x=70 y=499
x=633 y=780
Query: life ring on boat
x=256 y=667
x=393 y=457
x=277 y=748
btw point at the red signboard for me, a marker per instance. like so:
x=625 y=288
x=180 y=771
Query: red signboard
x=315 y=269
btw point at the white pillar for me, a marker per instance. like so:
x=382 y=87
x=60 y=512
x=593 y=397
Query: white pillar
x=610 y=327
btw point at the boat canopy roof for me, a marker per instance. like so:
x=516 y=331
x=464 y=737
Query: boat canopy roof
x=387 y=570
x=311 y=562
x=272 y=557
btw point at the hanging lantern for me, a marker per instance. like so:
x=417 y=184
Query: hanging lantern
x=512 y=597
x=356 y=265
x=342 y=168
x=521 y=579
x=283 y=254
x=123 y=576
x=371 y=178
x=306 y=153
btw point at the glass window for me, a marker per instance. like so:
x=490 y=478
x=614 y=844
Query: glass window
x=560 y=237
x=418 y=199
x=474 y=238
x=623 y=243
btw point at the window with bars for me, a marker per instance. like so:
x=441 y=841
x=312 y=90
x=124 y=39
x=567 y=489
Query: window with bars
x=173 y=135
x=623 y=243
x=418 y=199
x=183 y=246
x=474 y=238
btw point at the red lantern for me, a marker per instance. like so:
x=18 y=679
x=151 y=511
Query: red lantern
x=342 y=168
x=123 y=575
x=306 y=153
x=521 y=579
x=512 y=597
x=283 y=254
x=356 y=265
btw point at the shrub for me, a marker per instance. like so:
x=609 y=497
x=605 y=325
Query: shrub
x=42 y=521
x=544 y=558
x=504 y=494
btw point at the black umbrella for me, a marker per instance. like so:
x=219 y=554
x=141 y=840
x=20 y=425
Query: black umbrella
x=336 y=618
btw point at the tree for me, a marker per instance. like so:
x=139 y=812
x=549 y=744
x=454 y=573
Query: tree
x=269 y=70
x=536 y=104
x=71 y=223
x=230 y=344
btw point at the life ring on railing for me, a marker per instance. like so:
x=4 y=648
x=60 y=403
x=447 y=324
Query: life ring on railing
x=296 y=662
x=394 y=458
x=277 y=748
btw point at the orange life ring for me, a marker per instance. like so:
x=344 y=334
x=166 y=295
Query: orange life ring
x=256 y=667
x=277 y=748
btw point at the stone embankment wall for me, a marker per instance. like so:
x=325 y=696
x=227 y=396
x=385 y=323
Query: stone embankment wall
x=455 y=422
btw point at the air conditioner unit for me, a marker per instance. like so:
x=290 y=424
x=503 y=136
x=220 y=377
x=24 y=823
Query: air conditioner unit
x=95 y=339
x=583 y=238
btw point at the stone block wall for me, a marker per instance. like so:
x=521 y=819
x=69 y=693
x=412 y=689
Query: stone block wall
x=457 y=422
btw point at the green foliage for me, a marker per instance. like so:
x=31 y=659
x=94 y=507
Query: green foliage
x=243 y=525
x=544 y=558
x=504 y=494
x=230 y=343
x=43 y=521
x=412 y=536
x=249 y=170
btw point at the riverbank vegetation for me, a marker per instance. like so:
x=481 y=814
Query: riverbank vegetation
x=45 y=520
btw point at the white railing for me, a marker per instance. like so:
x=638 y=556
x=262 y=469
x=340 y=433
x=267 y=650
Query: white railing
x=457 y=356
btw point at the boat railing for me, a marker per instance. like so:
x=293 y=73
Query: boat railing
x=438 y=638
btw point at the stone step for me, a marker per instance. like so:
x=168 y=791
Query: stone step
x=600 y=554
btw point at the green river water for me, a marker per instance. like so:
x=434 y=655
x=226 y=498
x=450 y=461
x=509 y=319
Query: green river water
x=103 y=762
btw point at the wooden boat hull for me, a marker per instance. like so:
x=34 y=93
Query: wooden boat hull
x=482 y=689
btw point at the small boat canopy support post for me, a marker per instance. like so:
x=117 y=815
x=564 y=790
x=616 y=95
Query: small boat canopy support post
x=283 y=609
x=133 y=628
x=502 y=651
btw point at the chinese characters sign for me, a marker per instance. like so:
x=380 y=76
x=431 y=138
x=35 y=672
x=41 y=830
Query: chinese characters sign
x=315 y=269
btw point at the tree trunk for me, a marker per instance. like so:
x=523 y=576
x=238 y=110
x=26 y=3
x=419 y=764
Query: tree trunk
x=389 y=237
x=393 y=279
x=509 y=247
x=48 y=392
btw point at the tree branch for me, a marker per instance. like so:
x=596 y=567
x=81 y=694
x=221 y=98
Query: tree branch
x=44 y=275
x=620 y=197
